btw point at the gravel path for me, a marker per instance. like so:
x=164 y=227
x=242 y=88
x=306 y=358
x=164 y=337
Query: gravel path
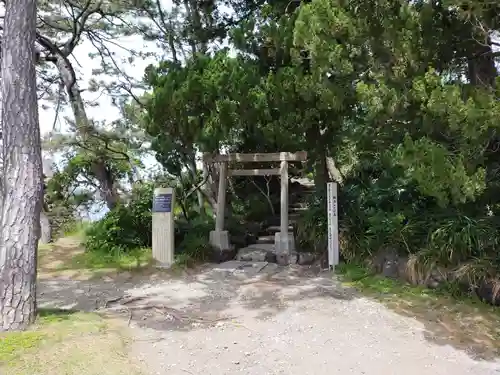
x=266 y=321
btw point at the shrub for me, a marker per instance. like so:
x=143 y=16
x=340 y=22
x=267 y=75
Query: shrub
x=128 y=227
x=312 y=229
x=125 y=228
x=192 y=240
x=382 y=211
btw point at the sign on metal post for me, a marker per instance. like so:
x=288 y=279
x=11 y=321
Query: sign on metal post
x=333 y=225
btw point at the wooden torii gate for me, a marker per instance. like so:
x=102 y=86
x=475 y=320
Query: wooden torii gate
x=284 y=240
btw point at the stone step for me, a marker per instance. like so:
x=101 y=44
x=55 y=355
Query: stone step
x=275 y=221
x=297 y=205
x=257 y=253
x=269 y=239
x=296 y=210
x=267 y=253
x=276 y=228
x=248 y=269
x=303 y=181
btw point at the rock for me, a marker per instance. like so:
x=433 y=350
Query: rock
x=257 y=253
x=378 y=262
x=221 y=256
x=433 y=284
x=440 y=275
x=436 y=278
x=283 y=259
x=306 y=259
x=239 y=241
x=251 y=239
x=293 y=258
x=489 y=291
x=390 y=267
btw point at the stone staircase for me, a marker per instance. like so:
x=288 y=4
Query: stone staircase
x=263 y=250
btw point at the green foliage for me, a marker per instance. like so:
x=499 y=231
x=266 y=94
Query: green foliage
x=456 y=239
x=76 y=228
x=312 y=227
x=117 y=259
x=191 y=240
x=125 y=228
x=378 y=216
x=122 y=235
x=13 y=343
x=254 y=207
x=62 y=200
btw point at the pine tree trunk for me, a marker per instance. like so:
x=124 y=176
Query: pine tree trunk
x=85 y=128
x=45 y=228
x=199 y=193
x=22 y=172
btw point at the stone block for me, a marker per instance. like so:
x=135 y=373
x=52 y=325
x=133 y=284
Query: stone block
x=489 y=293
x=284 y=245
x=306 y=259
x=283 y=259
x=293 y=258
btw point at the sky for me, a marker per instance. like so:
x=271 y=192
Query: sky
x=104 y=110
x=85 y=66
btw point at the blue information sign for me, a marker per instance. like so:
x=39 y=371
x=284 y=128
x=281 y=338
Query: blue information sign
x=162 y=203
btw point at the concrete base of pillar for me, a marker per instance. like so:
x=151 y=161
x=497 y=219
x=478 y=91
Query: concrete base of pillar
x=220 y=240
x=284 y=245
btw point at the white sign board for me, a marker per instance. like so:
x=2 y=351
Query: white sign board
x=333 y=224
x=163 y=226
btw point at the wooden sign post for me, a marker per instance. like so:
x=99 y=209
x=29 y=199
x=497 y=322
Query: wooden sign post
x=163 y=226
x=333 y=225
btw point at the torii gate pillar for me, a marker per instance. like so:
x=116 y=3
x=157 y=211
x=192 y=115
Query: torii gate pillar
x=219 y=238
x=284 y=241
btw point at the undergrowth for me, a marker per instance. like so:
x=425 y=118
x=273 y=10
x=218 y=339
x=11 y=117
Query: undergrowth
x=381 y=211
x=123 y=235
x=134 y=258
x=390 y=290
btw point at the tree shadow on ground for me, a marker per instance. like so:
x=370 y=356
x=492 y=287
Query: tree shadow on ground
x=466 y=324
x=211 y=296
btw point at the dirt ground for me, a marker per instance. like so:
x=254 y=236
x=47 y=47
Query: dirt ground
x=263 y=319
